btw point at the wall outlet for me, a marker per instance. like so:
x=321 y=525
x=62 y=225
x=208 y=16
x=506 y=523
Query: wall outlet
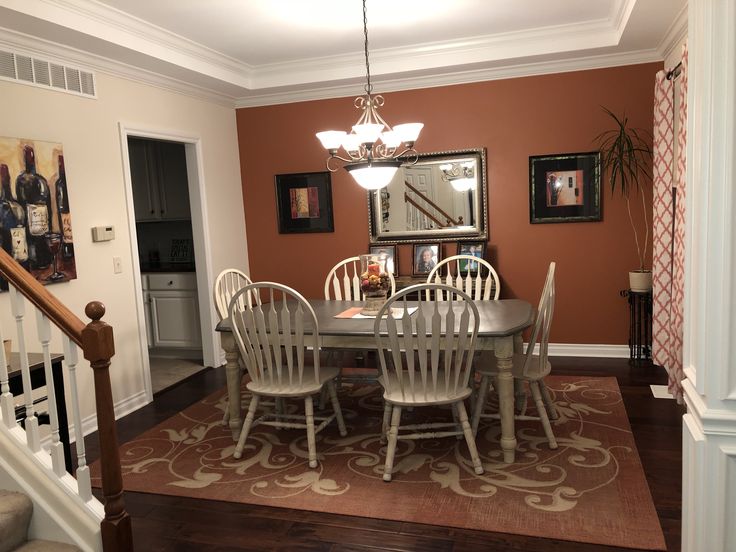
x=117 y=265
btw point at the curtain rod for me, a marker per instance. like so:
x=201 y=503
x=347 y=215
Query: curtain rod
x=674 y=72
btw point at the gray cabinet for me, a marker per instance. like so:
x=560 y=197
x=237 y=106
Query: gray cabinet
x=172 y=315
x=158 y=172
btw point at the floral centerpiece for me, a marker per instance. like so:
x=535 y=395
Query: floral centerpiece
x=374 y=282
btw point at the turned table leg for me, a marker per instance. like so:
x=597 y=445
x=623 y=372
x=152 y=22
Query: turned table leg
x=233 y=374
x=504 y=350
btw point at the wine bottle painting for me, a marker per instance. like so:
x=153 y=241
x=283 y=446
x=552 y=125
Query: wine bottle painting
x=35 y=216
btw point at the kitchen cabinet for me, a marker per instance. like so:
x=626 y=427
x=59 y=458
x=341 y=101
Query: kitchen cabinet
x=172 y=310
x=158 y=172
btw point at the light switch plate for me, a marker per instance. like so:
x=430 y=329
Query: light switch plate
x=117 y=265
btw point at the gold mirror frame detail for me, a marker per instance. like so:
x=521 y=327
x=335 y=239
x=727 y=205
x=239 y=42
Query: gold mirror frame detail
x=478 y=231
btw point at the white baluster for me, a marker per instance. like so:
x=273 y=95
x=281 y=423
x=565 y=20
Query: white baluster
x=19 y=310
x=7 y=408
x=57 y=448
x=83 y=477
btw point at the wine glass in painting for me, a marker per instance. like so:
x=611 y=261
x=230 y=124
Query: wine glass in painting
x=53 y=241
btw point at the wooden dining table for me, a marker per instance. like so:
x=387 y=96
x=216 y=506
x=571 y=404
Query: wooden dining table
x=500 y=325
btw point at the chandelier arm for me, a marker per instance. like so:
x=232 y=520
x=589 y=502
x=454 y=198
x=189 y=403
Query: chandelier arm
x=412 y=156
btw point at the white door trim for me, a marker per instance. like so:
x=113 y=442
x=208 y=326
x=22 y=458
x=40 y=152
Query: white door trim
x=200 y=233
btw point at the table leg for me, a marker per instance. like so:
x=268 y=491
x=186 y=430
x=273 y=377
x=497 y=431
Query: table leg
x=232 y=372
x=61 y=413
x=504 y=350
x=519 y=389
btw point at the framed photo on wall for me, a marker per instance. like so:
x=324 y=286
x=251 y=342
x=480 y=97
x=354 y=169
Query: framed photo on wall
x=304 y=203
x=476 y=249
x=424 y=258
x=565 y=187
x=392 y=260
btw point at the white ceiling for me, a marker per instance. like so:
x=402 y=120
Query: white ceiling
x=267 y=51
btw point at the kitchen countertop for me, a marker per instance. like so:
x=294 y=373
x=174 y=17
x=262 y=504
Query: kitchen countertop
x=168 y=267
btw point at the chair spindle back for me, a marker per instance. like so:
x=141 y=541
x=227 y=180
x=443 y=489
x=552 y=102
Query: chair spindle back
x=481 y=282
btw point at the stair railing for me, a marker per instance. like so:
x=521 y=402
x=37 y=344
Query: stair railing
x=97 y=344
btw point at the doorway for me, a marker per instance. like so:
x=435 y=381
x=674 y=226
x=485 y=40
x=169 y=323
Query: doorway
x=170 y=256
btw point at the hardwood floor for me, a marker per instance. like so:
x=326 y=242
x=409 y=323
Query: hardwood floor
x=164 y=523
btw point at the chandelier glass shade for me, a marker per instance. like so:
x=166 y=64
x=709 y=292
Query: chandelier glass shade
x=371 y=150
x=461 y=176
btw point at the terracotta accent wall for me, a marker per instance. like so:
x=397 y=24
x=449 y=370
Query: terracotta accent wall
x=512 y=119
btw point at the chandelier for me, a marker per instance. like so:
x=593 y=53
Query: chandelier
x=460 y=175
x=372 y=148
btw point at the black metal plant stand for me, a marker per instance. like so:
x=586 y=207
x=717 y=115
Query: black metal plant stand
x=640 y=324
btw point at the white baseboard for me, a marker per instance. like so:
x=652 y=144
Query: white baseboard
x=586 y=350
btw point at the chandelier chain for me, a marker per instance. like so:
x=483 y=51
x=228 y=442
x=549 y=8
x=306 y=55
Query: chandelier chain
x=368 y=85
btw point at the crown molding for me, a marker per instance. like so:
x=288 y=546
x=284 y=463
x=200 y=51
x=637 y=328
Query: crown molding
x=440 y=55
x=57 y=53
x=109 y=24
x=620 y=16
x=675 y=34
x=453 y=78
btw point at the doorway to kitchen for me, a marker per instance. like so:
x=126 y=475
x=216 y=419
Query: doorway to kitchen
x=166 y=214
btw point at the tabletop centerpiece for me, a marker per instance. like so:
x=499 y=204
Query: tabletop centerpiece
x=374 y=282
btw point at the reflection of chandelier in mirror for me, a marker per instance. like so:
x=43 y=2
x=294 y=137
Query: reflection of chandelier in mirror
x=372 y=146
x=460 y=175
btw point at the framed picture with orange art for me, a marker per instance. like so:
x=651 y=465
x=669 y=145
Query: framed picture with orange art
x=304 y=203
x=565 y=187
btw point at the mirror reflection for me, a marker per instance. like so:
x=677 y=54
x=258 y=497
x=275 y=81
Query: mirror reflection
x=441 y=195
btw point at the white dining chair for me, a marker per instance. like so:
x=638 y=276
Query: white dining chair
x=227 y=284
x=343 y=281
x=528 y=368
x=481 y=283
x=414 y=374
x=276 y=333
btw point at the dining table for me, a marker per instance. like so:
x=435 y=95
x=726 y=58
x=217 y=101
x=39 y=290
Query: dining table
x=501 y=323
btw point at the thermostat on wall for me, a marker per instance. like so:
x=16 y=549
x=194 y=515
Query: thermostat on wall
x=103 y=233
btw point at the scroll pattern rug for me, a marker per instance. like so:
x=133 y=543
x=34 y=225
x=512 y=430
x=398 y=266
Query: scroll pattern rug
x=591 y=489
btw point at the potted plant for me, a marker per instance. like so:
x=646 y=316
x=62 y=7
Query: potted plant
x=626 y=158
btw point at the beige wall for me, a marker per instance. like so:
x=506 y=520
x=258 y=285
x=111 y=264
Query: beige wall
x=89 y=132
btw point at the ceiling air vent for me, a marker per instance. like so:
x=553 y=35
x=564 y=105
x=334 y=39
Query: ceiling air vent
x=40 y=72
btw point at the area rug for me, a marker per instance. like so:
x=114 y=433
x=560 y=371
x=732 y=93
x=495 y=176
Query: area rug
x=591 y=489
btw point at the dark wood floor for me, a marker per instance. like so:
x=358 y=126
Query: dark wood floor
x=164 y=523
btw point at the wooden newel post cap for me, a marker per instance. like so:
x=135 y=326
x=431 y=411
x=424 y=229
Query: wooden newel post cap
x=95 y=310
x=97 y=339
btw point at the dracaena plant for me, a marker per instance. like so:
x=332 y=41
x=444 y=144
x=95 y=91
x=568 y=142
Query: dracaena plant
x=626 y=157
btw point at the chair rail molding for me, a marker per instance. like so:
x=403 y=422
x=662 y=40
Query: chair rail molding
x=709 y=428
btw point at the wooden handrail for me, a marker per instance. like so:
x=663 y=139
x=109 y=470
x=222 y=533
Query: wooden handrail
x=433 y=204
x=96 y=341
x=422 y=210
x=45 y=301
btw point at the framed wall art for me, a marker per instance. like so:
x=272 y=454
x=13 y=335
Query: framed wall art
x=565 y=187
x=392 y=261
x=35 y=216
x=304 y=203
x=424 y=258
x=476 y=249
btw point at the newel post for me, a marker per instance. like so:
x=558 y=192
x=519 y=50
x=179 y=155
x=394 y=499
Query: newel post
x=99 y=346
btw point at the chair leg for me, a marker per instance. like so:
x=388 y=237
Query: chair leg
x=393 y=437
x=336 y=407
x=537 y=395
x=459 y=407
x=480 y=402
x=386 y=421
x=246 y=426
x=520 y=397
x=309 y=411
x=551 y=410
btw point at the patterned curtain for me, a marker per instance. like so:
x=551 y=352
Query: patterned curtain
x=669 y=225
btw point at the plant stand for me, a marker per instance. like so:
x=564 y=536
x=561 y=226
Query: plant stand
x=640 y=324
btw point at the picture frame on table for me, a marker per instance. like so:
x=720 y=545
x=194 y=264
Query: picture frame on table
x=304 y=203
x=476 y=249
x=425 y=257
x=565 y=188
x=392 y=260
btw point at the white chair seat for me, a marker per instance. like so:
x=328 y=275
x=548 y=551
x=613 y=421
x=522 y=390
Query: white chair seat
x=489 y=367
x=306 y=388
x=420 y=394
